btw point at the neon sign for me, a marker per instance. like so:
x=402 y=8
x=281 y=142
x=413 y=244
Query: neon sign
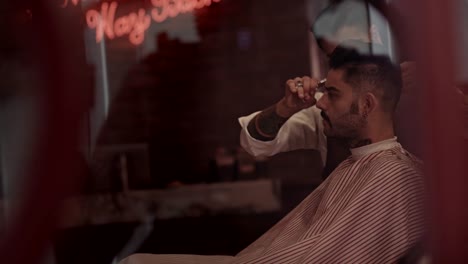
x=135 y=24
x=65 y=3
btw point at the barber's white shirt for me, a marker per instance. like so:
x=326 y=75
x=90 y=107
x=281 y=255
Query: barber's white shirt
x=304 y=130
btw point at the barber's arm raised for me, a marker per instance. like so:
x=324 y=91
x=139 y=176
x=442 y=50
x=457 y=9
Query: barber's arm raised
x=291 y=123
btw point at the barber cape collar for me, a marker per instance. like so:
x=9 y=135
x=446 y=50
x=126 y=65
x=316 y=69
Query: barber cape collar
x=375 y=147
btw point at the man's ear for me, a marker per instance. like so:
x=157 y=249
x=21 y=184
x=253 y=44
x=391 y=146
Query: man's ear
x=368 y=103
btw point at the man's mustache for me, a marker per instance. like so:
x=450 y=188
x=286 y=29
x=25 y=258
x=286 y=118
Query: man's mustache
x=325 y=117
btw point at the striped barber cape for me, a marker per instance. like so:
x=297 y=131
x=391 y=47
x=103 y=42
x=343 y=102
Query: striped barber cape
x=369 y=210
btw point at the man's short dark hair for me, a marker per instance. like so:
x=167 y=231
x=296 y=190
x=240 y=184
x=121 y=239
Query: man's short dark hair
x=368 y=72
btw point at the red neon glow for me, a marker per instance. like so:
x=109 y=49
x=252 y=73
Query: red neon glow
x=162 y=9
x=74 y=2
x=135 y=24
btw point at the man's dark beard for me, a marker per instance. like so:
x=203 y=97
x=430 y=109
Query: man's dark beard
x=354 y=108
x=356 y=143
x=350 y=139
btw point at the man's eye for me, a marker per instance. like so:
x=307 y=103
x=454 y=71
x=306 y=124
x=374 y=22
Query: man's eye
x=320 y=89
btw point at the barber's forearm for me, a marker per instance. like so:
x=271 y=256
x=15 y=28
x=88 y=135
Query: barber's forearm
x=266 y=125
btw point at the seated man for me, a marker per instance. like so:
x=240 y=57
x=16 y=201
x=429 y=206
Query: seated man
x=369 y=210
x=341 y=22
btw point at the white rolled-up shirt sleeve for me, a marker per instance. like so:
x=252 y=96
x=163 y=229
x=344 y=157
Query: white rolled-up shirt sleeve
x=303 y=130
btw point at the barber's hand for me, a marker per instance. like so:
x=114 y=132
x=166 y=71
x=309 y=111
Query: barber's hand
x=297 y=96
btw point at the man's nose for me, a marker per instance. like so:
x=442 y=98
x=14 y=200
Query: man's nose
x=321 y=103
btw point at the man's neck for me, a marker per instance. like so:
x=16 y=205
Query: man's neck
x=356 y=143
x=378 y=132
x=367 y=140
x=359 y=152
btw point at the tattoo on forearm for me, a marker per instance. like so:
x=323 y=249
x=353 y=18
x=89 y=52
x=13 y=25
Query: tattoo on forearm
x=265 y=125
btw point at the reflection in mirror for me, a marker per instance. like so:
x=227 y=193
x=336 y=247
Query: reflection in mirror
x=354 y=20
x=169 y=85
